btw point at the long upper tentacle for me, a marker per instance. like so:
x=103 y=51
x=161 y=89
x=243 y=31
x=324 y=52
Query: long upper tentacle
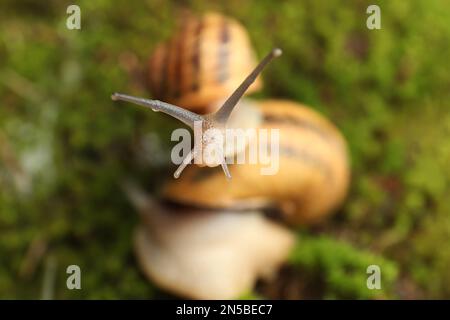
x=224 y=112
x=185 y=116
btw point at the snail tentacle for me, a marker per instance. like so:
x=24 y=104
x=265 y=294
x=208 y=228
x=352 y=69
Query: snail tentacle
x=185 y=116
x=224 y=112
x=225 y=169
x=191 y=155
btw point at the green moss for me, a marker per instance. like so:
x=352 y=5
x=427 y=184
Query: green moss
x=342 y=269
x=65 y=147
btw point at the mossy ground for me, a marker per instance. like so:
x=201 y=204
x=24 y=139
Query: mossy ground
x=65 y=147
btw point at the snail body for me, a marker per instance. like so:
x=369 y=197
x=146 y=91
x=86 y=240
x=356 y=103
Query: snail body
x=212 y=125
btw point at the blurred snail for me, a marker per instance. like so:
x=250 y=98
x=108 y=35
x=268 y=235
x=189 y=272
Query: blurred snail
x=206 y=254
x=202 y=220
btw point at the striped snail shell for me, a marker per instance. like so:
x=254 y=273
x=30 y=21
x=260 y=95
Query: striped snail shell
x=205 y=61
x=313 y=174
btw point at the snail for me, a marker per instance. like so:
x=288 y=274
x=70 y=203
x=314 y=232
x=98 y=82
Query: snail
x=201 y=220
x=203 y=63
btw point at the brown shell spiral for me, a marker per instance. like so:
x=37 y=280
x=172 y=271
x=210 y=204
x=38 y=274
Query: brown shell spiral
x=204 y=62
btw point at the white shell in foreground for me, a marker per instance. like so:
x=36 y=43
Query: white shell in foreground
x=209 y=255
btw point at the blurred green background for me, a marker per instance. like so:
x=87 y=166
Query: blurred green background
x=65 y=147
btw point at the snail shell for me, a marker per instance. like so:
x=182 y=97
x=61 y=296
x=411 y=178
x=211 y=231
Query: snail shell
x=206 y=255
x=313 y=174
x=204 y=62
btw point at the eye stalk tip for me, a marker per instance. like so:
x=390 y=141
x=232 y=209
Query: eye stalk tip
x=114 y=97
x=277 y=52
